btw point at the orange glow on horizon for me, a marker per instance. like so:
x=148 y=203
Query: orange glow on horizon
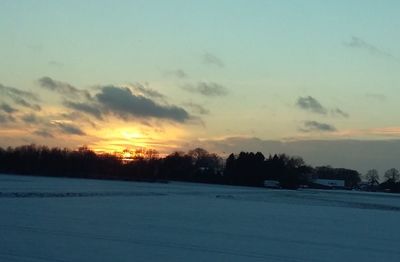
x=119 y=138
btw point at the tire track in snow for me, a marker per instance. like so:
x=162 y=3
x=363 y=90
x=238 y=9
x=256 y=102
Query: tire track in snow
x=74 y=194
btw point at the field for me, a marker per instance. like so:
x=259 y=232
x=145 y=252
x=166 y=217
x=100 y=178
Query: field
x=60 y=219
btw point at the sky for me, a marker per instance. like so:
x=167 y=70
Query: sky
x=312 y=78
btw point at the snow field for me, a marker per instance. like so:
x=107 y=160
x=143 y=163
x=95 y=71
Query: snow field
x=60 y=219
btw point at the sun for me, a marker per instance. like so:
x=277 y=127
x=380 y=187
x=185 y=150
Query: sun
x=126 y=155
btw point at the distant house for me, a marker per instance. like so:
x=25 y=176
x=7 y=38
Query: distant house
x=332 y=183
x=272 y=184
x=365 y=186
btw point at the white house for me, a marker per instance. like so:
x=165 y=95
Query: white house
x=330 y=182
x=272 y=184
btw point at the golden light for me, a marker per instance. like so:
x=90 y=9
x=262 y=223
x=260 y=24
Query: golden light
x=126 y=155
x=117 y=136
x=131 y=134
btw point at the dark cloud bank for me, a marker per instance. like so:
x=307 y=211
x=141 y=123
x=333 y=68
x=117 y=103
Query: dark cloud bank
x=85 y=108
x=361 y=155
x=119 y=101
x=123 y=103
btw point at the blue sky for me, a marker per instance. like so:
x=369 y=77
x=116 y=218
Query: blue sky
x=272 y=70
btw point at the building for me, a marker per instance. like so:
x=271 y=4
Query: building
x=272 y=184
x=332 y=183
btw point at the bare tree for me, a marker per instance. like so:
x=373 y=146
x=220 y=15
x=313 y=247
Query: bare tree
x=392 y=175
x=372 y=177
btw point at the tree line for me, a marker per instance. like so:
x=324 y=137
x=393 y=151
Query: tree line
x=197 y=165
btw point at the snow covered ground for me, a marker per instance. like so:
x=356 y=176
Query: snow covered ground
x=57 y=219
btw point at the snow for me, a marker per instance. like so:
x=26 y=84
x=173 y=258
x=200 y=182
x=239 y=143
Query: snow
x=61 y=219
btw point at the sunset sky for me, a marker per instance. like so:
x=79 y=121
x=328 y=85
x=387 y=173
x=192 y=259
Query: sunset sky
x=319 y=79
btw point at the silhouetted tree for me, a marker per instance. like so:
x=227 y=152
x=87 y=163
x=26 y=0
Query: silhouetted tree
x=392 y=182
x=198 y=165
x=372 y=177
x=392 y=175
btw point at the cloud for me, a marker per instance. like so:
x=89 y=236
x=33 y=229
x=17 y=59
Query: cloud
x=197 y=108
x=310 y=126
x=12 y=91
x=146 y=91
x=7 y=108
x=311 y=104
x=31 y=119
x=43 y=133
x=207 y=89
x=359 y=43
x=179 y=73
x=85 y=108
x=377 y=97
x=55 y=63
x=339 y=112
x=63 y=88
x=211 y=59
x=78 y=117
x=123 y=103
x=21 y=97
x=24 y=103
x=68 y=128
x=5 y=119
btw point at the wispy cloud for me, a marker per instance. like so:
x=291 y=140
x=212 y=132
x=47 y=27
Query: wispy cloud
x=386 y=131
x=311 y=104
x=209 y=89
x=311 y=126
x=6 y=118
x=24 y=103
x=7 y=108
x=197 y=108
x=376 y=96
x=212 y=59
x=20 y=97
x=179 y=73
x=43 y=133
x=356 y=42
x=339 y=112
x=63 y=88
x=68 y=128
x=146 y=91
x=31 y=119
x=55 y=63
